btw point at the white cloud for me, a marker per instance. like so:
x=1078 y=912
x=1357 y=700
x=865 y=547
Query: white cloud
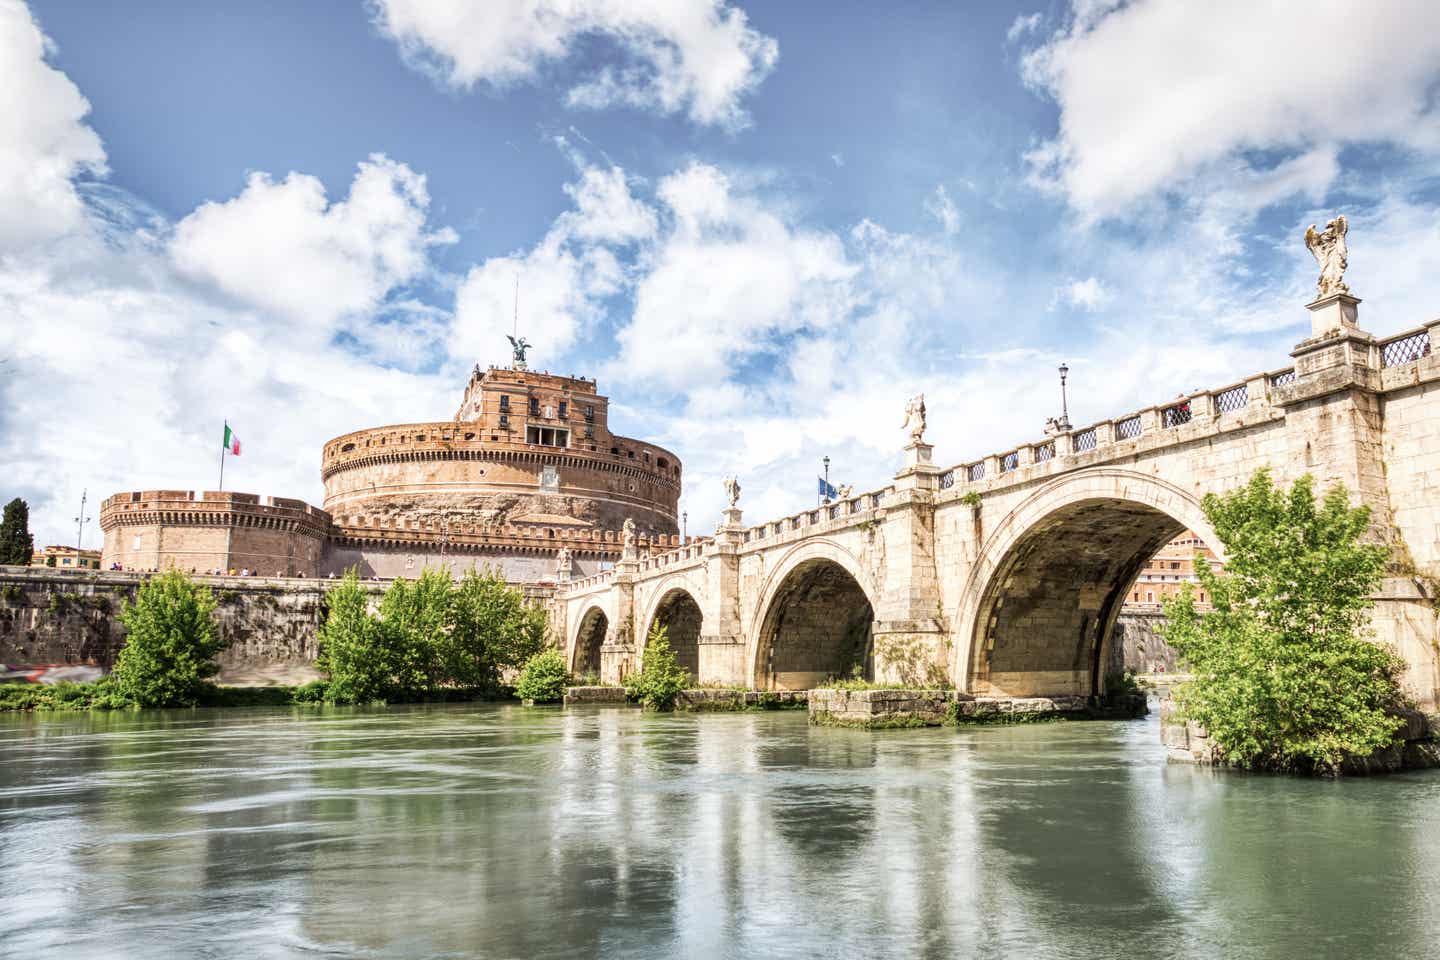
x=1021 y=25
x=44 y=141
x=700 y=56
x=285 y=249
x=942 y=208
x=728 y=276
x=1088 y=294
x=1153 y=93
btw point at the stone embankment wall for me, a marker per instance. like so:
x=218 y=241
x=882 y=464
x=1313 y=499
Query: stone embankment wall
x=1136 y=644
x=271 y=626
x=878 y=709
x=49 y=617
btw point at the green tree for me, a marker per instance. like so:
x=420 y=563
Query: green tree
x=544 y=678
x=661 y=679
x=358 y=663
x=415 y=620
x=491 y=629
x=170 y=643
x=1285 y=675
x=16 y=543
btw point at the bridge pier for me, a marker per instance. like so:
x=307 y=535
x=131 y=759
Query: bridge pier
x=722 y=639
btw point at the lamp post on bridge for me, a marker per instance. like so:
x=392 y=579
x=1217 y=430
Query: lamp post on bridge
x=826 y=497
x=1064 y=424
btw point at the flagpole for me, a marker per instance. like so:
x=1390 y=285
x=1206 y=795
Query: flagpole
x=223 y=448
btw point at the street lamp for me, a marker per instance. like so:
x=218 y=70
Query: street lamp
x=827 y=480
x=1064 y=423
x=684 y=520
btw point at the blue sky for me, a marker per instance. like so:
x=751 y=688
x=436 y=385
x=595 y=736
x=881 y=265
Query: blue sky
x=761 y=225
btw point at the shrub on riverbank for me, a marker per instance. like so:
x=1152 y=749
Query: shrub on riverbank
x=661 y=679
x=1285 y=677
x=544 y=678
x=104 y=695
x=431 y=639
x=170 y=643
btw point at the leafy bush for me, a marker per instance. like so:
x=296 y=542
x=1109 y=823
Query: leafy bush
x=431 y=638
x=660 y=681
x=544 y=678
x=170 y=643
x=1285 y=677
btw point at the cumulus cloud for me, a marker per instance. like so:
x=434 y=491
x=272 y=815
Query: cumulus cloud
x=1154 y=93
x=44 y=141
x=728 y=275
x=284 y=248
x=700 y=56
x=1022 y=25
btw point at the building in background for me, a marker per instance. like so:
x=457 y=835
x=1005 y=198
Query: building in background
x=66 y=558
x=526 y=478
x=1170 y=569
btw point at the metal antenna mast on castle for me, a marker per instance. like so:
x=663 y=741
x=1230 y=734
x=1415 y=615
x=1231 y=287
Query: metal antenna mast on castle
x=81 y=520
x=517 y=305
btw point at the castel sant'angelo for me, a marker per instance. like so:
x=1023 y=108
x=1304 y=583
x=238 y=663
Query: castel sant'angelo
x=527 y=477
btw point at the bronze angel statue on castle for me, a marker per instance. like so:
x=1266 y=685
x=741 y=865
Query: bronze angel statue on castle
x=1330 y=251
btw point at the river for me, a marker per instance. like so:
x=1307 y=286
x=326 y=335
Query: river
x=497 y=831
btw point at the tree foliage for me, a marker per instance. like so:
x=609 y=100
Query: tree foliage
x=431 y=637
x=170 y=643
x=661 y=679
x=1285 y=674
x=16 y=543
x=543 y=678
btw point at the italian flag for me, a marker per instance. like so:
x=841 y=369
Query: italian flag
x=232 y=442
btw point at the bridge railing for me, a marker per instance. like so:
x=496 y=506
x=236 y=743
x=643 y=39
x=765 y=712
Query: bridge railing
x=850 y=506
x=1227 y=400
x=1406 y=347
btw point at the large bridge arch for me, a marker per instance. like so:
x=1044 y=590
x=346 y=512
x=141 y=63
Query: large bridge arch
x=1039 y=604
x=590 y=632
x=675 y=606
x=814 y=618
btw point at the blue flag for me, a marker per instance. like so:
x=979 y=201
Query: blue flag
x=827 y=492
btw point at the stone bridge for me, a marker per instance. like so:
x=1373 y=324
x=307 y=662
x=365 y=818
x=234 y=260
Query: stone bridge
x=1003 y=576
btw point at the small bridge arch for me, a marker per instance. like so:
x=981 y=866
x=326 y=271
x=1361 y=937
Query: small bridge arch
x=590 y=632
x=675 y=607
x=1039 y=604
x=814 y=619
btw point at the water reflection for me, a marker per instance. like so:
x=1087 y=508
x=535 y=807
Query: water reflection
x=497 y=831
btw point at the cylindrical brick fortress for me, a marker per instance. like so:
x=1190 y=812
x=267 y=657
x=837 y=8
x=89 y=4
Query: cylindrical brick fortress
x=528 y=461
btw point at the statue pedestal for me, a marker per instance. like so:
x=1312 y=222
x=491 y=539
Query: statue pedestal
x=1338 y=311
x=730 y=518
x=917 y=454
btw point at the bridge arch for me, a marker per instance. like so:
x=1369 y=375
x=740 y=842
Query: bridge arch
x=674 y=606
x=1039 y=605
x=590 y=633
x=814 y=619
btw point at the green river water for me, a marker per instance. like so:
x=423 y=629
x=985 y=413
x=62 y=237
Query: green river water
x=496 y=831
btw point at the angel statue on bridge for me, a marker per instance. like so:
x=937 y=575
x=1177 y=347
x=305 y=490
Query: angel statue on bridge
x=1330 y=251
x=915 y=417
x=732 y=490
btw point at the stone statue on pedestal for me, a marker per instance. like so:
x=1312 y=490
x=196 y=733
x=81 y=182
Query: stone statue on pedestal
x=732 y=491
x=915 y=418
x=1329 y=249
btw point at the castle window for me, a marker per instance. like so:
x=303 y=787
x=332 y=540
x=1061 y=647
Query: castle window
x=630 y=454
x=614 y=451
x=420 y=436
x=504 y=419
x=504 y=403
x=662 y=463
x=469 y=436
x=347 y=448
x=563 y=407
x=547 y=436
x=590 y=433
x=534 y=406
x=590 y=412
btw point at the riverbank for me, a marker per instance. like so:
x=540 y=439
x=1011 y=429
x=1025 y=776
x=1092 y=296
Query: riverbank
x=898 y=708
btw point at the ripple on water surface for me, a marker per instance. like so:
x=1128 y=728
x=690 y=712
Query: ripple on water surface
x=494 y=831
